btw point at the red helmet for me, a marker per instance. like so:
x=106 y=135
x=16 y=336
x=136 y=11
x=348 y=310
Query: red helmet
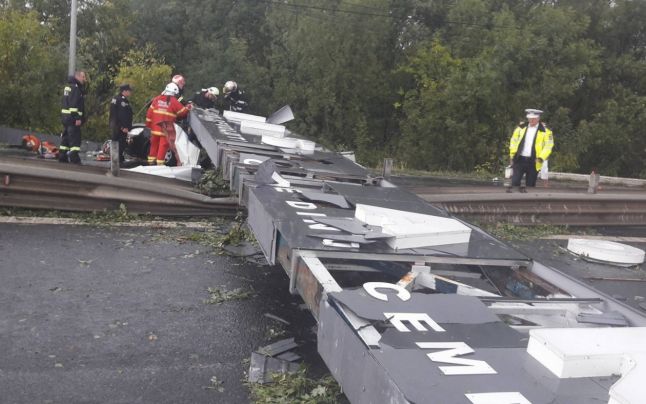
x=179 y=80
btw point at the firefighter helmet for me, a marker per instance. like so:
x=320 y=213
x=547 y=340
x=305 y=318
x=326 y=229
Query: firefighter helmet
x=171 y=89
x=229 y=87
x=213 y=91
x=179 y=80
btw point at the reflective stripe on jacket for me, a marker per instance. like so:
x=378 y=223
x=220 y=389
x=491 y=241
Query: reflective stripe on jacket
x=543 y=143
x=164 y=108
x=73 y=104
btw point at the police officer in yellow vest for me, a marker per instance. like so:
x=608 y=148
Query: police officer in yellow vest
x=530 y=145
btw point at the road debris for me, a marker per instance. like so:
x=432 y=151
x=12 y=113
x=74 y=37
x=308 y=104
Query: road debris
x=217 y=295
x=274 y=317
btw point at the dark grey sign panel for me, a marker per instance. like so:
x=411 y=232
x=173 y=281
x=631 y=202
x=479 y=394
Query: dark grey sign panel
x=391 y=198
x=331 y=163
x=421 y=368
x=221 y=130
x=293 y=217
x=488 y=335
x=212 y=130
x=463 y=309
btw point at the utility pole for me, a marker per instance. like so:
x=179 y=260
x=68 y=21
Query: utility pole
x=72 y=60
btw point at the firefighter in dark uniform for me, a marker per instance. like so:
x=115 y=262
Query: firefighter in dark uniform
x=180 y=81
x=121 y=118
x=206 y=98
x=234 y=98
x=72 y=117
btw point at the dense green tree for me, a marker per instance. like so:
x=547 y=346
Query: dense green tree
x=30 y=69
x=146 y=73
x=612 y=142
x=103 y=39
x=332 y=65
x=467 y=109
x=438 y=84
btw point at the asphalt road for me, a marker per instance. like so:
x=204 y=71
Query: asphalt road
x=118 y=315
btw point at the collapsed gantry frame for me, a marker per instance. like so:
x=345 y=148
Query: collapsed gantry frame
x=412 y=304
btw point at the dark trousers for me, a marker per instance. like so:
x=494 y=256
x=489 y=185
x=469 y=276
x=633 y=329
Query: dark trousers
x=71 y=141
x=524 y=166
x=71 y=137
x=121 y=138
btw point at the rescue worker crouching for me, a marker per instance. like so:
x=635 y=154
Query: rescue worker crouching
x=530 y=145
x=234 y=97
x=160 y=118
x=72 y=117
x=206 y=98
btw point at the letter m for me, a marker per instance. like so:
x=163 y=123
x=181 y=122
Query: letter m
x=448 y=355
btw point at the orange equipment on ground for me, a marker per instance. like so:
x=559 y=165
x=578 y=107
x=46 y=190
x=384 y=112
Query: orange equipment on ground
x=31 y=143
x=44 y=149
x=48 y=150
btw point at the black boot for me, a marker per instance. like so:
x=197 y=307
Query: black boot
x=62 y=156
x=75 y=158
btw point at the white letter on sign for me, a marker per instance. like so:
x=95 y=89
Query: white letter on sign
x=286 y=190
x=371 y=288
x=415 y=319
x=469 y=366
x=319 y=226
x=301 y=205
x=498 y=398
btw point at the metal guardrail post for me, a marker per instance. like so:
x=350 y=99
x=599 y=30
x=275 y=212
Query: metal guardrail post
x=114 y=158
x=388 y=167
x=593 y=183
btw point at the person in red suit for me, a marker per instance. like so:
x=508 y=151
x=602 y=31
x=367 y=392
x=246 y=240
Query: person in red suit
x=160 y=118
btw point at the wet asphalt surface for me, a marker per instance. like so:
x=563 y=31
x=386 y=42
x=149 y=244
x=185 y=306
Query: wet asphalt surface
x=118 y=315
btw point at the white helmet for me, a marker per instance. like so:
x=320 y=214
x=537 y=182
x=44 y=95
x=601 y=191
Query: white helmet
x=179 y=80
x=229 y=87
x=171 y=89
x=213 y=91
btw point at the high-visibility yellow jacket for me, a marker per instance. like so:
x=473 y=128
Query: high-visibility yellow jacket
x=543 y=143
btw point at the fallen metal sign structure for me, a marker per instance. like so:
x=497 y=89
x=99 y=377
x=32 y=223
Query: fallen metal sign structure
x=49 y=185
x=414 y=305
